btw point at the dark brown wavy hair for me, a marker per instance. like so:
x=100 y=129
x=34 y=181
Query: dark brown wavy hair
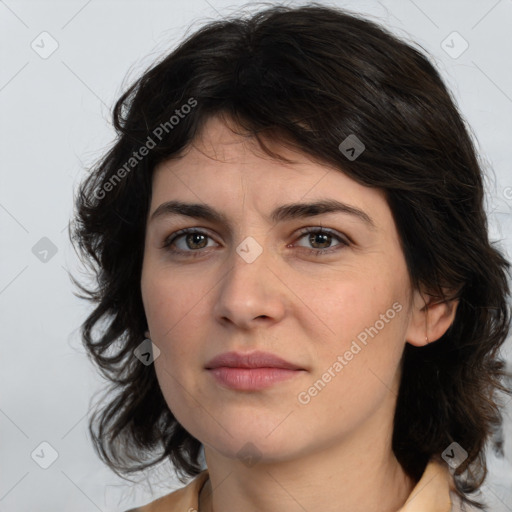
x=309 y=77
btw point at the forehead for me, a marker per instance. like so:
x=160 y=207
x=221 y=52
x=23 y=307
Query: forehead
x=221 y=141
x=224 y=166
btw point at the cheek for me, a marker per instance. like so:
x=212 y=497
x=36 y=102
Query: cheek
x=175 y=311
x=365 y=317
x=356 y=368
x=166 y=302
x=170 y=309
x=352 y=303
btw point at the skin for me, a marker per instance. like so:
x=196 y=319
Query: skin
x=333 y=453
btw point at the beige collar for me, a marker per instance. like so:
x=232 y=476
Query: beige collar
x=430 y=494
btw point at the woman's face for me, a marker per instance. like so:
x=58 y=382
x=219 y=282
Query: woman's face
x=251 y=280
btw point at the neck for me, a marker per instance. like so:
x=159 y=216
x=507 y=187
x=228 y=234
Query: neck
x=358 y=475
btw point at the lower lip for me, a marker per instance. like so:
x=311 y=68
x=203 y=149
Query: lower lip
x=251 y=378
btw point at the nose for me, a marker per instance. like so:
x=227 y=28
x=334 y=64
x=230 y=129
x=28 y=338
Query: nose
x=251 y=293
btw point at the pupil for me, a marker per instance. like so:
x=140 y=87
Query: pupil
x=193 y=238
x=316 y=236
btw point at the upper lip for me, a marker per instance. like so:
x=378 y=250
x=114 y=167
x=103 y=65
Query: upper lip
x=256 y=359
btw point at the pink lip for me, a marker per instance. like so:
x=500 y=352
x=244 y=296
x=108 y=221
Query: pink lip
x=251 y=378
x=253 y=371
x=255 y=359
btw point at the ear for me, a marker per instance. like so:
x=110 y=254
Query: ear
x=147 y=334
x=429 y=319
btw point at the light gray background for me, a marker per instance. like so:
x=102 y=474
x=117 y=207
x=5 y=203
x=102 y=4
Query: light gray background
x=55 y=121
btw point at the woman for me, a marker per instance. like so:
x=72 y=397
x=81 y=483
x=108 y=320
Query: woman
x=295 y=273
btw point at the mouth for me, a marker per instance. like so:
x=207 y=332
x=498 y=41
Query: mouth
x=251 y=360
x=251 y=379
x=252 y=371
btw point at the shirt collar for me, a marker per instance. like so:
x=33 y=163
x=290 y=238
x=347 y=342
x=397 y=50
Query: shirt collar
x=430 y=494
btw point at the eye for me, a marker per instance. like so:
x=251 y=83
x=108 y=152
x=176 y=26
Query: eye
x=323 y=237
x=191 y=241
x=188 y=240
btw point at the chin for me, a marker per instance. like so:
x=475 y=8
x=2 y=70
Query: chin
x=254 y=445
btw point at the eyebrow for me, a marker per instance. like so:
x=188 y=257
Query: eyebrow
x=282 y=213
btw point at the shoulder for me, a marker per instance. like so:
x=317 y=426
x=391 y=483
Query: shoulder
x=184 y=499
x=435 y=492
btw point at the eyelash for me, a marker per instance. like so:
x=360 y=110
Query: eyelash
x=303 y=232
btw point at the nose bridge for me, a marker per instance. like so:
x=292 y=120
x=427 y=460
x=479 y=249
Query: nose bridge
x=249 y=289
